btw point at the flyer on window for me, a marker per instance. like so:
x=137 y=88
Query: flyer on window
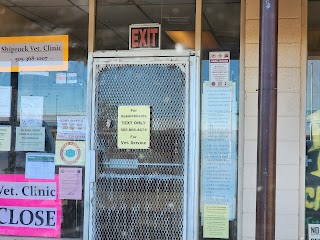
x=30 y=139
x=70 y=183
x=219 y=69
x=71 y=127
x=40 y=165
x=31 y=111
x=5 y=101
x=70 y=153
x=5 y=138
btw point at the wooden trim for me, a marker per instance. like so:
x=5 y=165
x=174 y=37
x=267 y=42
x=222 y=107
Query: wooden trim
x=92 y=25
x=198 y=27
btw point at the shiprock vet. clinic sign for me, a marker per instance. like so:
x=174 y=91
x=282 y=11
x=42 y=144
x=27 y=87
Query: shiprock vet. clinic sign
x=34 y=53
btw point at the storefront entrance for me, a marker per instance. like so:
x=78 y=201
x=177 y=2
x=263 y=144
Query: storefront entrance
x=145 y=143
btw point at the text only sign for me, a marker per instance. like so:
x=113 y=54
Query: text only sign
x=134 y=127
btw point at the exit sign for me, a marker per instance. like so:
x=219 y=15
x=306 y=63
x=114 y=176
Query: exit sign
x=145 y=36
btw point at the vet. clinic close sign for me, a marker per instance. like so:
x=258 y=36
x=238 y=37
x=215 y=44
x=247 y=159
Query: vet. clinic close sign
x=29 y=207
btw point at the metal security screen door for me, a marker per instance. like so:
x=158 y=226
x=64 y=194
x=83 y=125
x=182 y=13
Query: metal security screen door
x=141 y=187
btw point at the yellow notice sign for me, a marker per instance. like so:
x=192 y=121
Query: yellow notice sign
x=5 y=138
x=71 y=153
x=134 y=127
x=216 y=221
x=34 y=53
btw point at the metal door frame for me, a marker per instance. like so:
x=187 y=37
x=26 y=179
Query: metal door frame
x=192 y=143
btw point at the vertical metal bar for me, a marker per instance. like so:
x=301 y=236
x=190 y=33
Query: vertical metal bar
x=89 y=171
x=196 y=86
x=87 y=222
x=311 y=100
x=187 y=157
x=193 y=177
x=267 y=120
x=13 y=120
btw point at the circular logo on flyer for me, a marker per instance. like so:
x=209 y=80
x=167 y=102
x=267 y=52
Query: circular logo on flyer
x=70 y=152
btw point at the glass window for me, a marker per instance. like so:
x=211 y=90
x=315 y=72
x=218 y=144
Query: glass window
x=312 y=208
x=177 y=19
x=43 y=82
x=219 y=119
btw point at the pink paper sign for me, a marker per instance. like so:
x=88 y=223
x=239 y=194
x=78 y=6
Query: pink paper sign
x=70 y=180
x=29 y=207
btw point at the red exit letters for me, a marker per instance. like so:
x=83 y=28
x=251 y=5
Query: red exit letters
x=145 y=37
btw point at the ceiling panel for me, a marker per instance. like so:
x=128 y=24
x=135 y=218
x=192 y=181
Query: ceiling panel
x=121 y=32
x=99 y=24
x=32 y=17
x=107 y=39
x=205 y=26
x=224 y=21
x=6 y=3
x=229 y=34
x=313 y=15
x=221 y=1
x=85 y=9
x=66 y=17
x=40 y=3
x=172 y=17
x=114 y=2
x=81 y=35
x=223 y=17
x=19 y=25
x=113 y=16
x=165 y=2
x=228 y=40
x=80 y=2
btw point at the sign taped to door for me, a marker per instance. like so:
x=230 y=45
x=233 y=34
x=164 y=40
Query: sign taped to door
x=134 y=127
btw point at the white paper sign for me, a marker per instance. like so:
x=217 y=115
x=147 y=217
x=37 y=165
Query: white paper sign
x=5 y=101
x=219 y=72
x=34 y=53
x=61 y=78
x=71 y=128
x=30 y=139
x=314 y=231
x=5 y=138
x=31 y=111
x=72 y=78
x=216 y=123
x=40 y=165
x=28 y=190
x=219 y=165
x=42 y=217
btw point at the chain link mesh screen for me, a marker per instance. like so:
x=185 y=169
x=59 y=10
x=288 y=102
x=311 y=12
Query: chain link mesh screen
x=139 y=194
